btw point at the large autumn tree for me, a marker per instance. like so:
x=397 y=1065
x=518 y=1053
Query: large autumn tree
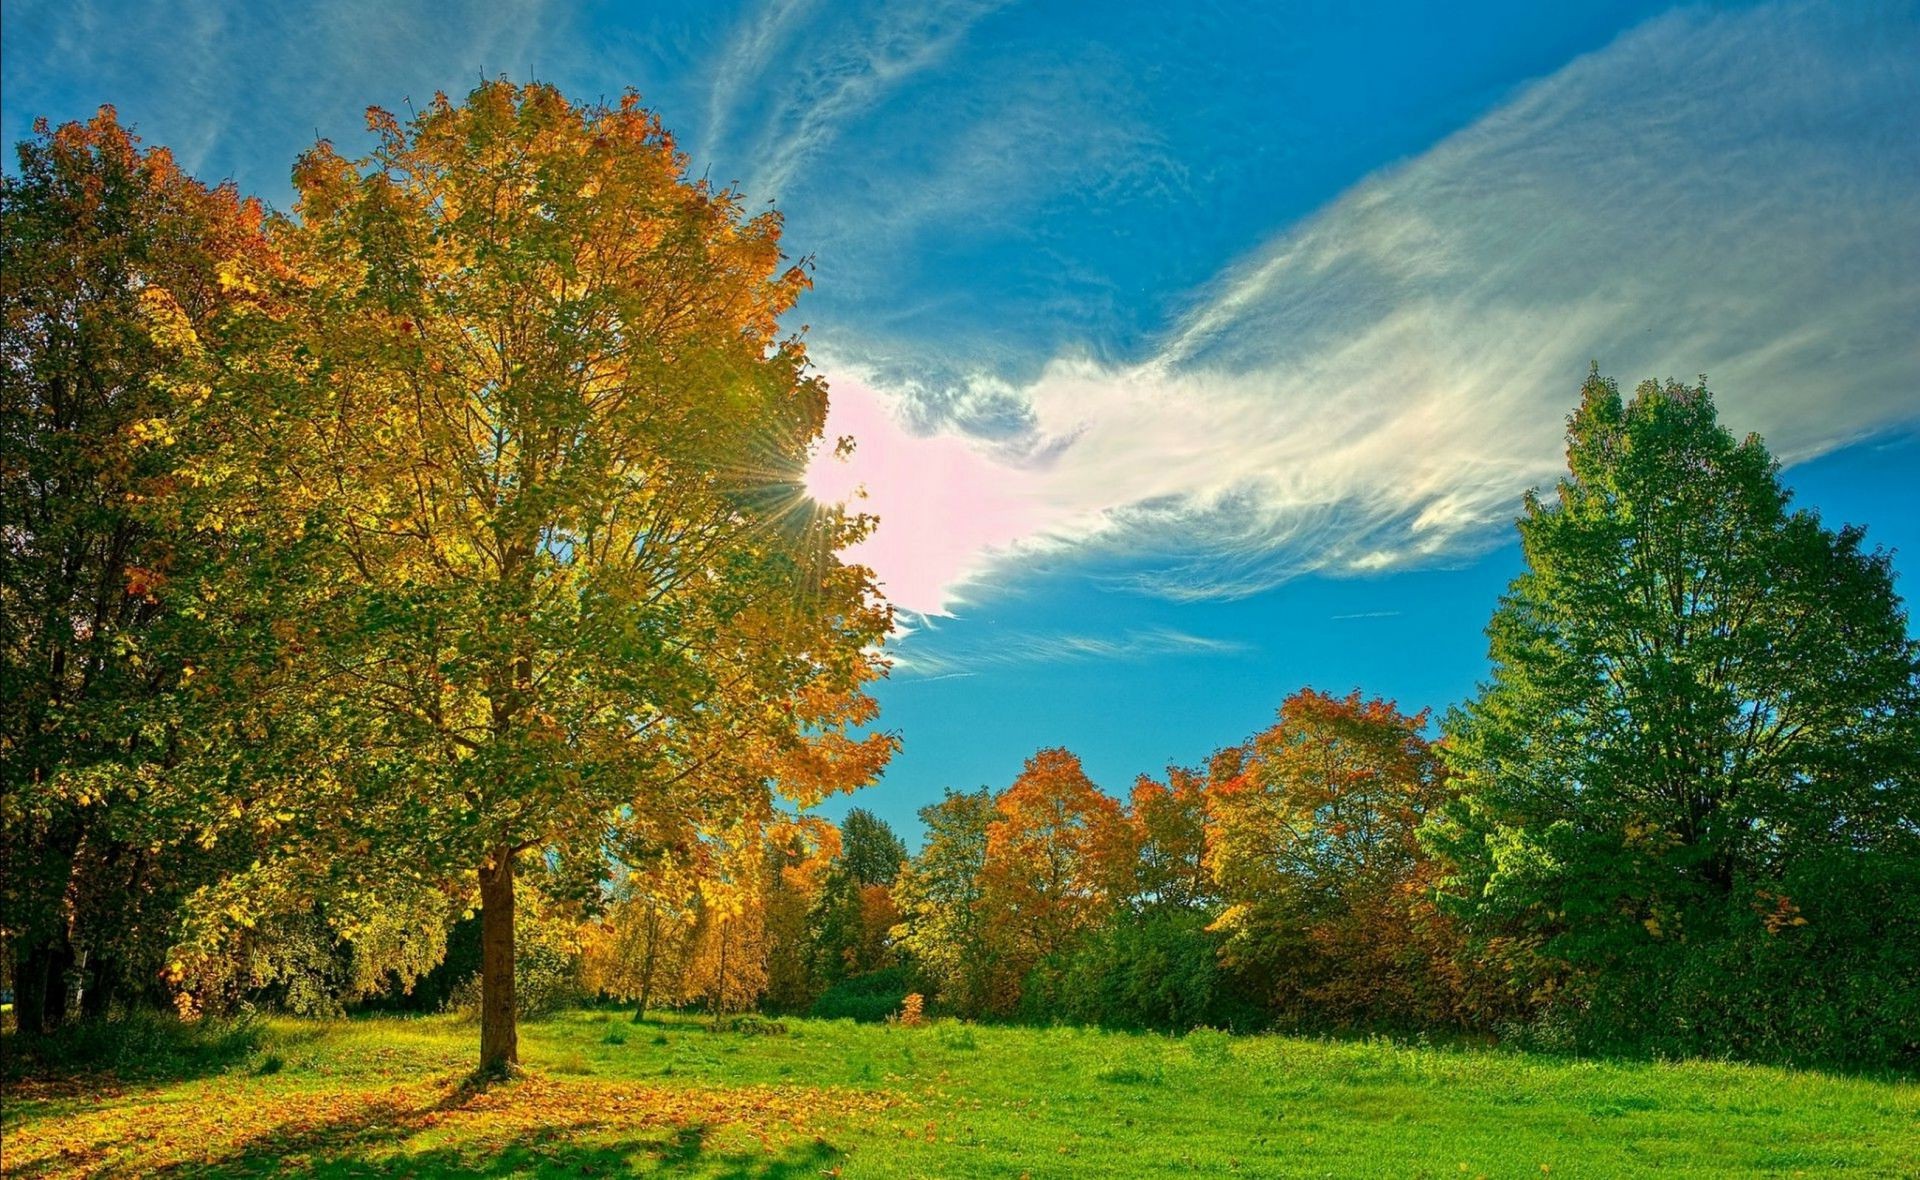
x=1697 y=760
x=514 y=551
x=97 y=233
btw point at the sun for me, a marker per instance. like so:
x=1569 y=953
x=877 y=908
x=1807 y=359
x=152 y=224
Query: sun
x=830 y=478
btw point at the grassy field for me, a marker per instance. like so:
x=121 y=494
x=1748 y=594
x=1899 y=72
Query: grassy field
x=604 y=1096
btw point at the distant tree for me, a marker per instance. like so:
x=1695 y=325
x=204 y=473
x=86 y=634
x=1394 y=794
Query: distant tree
x=1703 y=724
x=848 y=930
x=870 y=852
x=1313 y=851
x=801 y=853
x=638 y=950
x=940 y=897
x=1059 y=861
x=1170 y=830
x=514 y=541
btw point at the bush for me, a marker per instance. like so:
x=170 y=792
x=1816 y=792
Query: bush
x=141 y=1045
x=1824 y=980
x=871 y=998
x=1147 y=971
x=545 y=981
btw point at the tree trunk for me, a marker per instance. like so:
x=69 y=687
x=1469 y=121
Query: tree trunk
x=30 y=971
x=499 y=1034
x=647 y=962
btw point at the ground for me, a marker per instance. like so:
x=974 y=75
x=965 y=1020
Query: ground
x=604 y=1096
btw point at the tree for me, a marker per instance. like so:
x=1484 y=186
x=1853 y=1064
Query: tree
x=1312 y=849
x=870 y=853
x=848 y=929
x=801 y=853
x=1701 y=721
x=1059 y=860
x=103 y=246
x=1169 y=829
x=940 y=896
x=514 y=545
x=639 y=951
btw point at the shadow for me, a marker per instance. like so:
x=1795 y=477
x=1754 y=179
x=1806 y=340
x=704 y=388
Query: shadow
x=370 y=1145
x=627 y=1157
x=139 y=1047
x=526 y=1127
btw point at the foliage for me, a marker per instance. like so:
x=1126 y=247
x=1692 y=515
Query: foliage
x=1699 y=734
x=1170 y=831
x=850 y=924
x=1059 y=858
x=1158 y=969
x=1311 y=844
x=875 y=996
x=107 y=251
x=939 y=894
x=638 y=952
x=136 y=1045
x=870 y=852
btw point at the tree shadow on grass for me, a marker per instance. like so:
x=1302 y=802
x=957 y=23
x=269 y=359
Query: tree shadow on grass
x=685 y=1151
x=375 y=1139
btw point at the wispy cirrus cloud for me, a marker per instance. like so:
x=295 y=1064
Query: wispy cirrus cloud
x=1003 y=650
x=1730 y=192
x=237 y=89
x=853 y=59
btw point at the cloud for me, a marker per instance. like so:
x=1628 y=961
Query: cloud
x=1003 y=650
x=239 y=89
x=1730 y=193
x=838 y=77
x=748 y=54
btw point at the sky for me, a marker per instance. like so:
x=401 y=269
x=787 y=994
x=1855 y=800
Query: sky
x=1195 y=352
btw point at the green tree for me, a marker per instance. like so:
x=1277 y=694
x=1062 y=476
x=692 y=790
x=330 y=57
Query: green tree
x=97 y=234
x=513 y=542
x=1700 y=727
x=939 y=891
x=848 y=927
x=870 y=852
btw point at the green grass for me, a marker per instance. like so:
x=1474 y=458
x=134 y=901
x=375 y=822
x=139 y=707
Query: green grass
x=607 y=1097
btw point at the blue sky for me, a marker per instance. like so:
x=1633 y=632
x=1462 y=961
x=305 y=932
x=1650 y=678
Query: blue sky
x=1198 y=352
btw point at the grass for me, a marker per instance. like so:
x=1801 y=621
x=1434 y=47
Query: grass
x=604 y=1097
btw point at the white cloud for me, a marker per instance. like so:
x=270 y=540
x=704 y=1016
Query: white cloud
x=999 y=649
x=1734 y=193
x=239 y=89
x=831 y=81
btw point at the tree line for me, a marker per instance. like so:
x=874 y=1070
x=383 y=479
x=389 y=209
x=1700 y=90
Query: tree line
x=411 y=600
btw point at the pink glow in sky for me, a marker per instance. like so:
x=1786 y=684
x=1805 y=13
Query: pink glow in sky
x=945 y=507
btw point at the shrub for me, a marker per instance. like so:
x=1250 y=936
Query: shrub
x=1146 y=971
x=139 y=1045
x=872 y=998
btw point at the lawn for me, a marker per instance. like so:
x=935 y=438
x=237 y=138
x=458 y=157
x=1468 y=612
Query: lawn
x=604 y=1096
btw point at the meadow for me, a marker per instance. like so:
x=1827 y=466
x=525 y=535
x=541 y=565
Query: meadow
x=603 y=1095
